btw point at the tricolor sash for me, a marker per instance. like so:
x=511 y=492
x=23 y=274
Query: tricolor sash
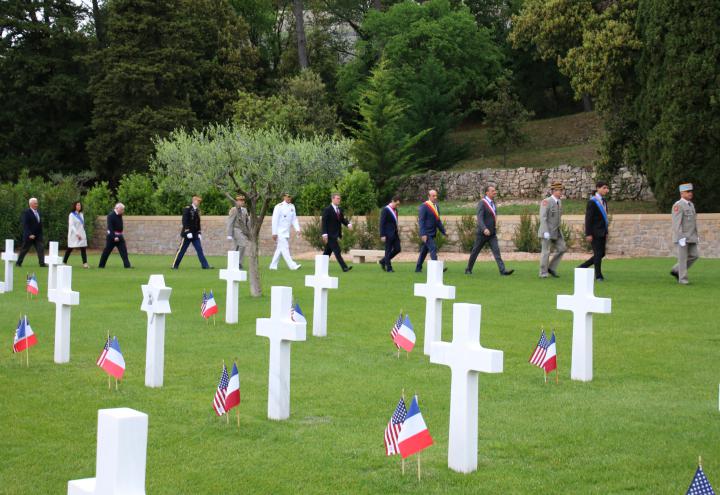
x=432 y=208
x=392 y=210
x=602 y=209
x=80 y=219
x=492 y=209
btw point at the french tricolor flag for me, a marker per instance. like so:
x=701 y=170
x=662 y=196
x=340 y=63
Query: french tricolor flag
x=111 y=359
x=232 y=397
x=550 y=362
x=405 y=338
x=32 y=285
x=414 y=435
x=24 y=336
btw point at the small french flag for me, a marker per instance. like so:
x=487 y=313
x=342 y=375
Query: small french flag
x=296 y=314
x=24 y=336
x=32 y=285
x=405 y=337
x=414 y=435
x=111 y=359
x=550 y=362
x=232 y=397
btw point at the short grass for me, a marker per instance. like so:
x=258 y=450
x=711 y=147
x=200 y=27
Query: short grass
x=570 y=207
x=571 y=139
x=637 y=428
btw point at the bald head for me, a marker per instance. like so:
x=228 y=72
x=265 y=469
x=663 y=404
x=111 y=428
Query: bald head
x=432 y=195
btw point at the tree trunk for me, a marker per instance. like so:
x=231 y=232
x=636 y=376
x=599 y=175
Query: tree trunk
x=99 y=24
x=254 y=269
x=587 y=103
x=299 y=12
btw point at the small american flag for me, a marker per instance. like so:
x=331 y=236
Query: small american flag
x=700 y=484
x=393 y=429
x=219 y=401
x=538 y=356
x=396 y=329
x=104 y=352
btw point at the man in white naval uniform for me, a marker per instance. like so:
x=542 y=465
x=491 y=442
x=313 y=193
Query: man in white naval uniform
x=283 y=218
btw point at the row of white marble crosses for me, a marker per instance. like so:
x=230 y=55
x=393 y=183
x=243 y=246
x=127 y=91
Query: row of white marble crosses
x=467 y=358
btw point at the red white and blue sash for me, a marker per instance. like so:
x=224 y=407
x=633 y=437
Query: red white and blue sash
x=432 y=208
x=392 y=210
x=490 y=205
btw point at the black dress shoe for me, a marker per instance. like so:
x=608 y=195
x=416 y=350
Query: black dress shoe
x=468 y=271
x=208 y=268
x=507 y=272
x=382 y=265
x=444 y=269
x=600 y=279
x=43 y=265
x=390 y=270
x=418 y=270
x=553 y=274
x=675 y=274
x=347 y=268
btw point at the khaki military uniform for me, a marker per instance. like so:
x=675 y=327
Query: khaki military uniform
x=684 y=226
x=550 y=221
x=237 y=219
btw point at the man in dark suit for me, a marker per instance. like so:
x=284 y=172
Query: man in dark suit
x=390 y=233
x=332 y=221
x=429 y=223
x=32 y=233
x=115 y=237
x=487 y=232
x=596 y=228
x=191 y=233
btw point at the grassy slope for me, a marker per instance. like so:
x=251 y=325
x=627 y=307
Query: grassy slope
x=569 y=139
x=638 y=427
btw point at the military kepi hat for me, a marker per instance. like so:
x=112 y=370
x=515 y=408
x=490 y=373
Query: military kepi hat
x=556 y=185
x=686 y=187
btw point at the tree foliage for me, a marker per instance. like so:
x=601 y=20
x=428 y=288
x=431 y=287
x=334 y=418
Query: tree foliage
x=258 y=163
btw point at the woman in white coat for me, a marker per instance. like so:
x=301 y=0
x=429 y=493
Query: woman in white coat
x=77 y=238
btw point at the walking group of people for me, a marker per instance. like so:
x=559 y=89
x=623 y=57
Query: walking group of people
x=284 y=219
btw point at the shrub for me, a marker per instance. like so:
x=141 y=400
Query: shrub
x=12 y=203
x=312 y=233
x=440 y=240
x=214 y=203
x=568 y=235
x=313 y=198
x=367 y=233
x=56 y=202
x=137 y=192
x=98 y=201
x=467 y=231
x=358 y=192
x=525 y=237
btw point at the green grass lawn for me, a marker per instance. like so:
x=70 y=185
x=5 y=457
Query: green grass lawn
x=572 y=139
x=570 y=207
x=637 y=428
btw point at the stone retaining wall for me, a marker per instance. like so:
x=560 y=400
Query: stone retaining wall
x=630 y=235
x=523 y=182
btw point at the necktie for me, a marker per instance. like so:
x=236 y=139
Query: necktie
x=337 y=212
x=37 y=215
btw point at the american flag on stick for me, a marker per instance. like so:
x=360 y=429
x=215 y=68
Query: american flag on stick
x=538 y=356
x=393 y=429
x=396 y=329
x=221 y=392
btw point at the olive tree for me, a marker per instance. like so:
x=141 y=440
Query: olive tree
x=257 y=163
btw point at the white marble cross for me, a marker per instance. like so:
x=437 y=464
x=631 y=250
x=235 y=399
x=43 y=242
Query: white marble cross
x=281 y=331
x=583 y=304
x=156 y=303
x=63 y=297
x=10 y=258
x=466 y=359
x=434 y=291
x=52 y=260
x=321 y=282
x=121 y=455
x=234 y=276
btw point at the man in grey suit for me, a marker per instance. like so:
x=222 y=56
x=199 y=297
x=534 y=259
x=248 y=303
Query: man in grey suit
x=551 y=237
x=684 y=233
x=487 y=232
x=237 y=225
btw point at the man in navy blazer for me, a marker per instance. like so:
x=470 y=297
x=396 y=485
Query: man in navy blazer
x=429 y=223
x=596 y=228
x=487 y=232
x=333 y=218
x=390 y=233
x=32 y=233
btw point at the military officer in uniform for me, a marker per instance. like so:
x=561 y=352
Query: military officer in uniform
x=191 y=233
x=684 y=233
x=283 y=218
x=237 y=226
x=551 y=237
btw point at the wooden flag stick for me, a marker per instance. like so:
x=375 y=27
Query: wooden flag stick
x=116 y=384
x=107 y=342
x=238 y=415
x=700 y=461
x=214 y=320
x=557 y=380
x=418 y=459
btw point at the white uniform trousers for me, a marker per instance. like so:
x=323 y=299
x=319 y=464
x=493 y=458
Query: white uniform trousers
x=283 y=248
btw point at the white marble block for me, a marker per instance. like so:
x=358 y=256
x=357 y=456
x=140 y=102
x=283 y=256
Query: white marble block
x=10 y=258
x=434 y=291
x=234 y=276
x=282 y=331
x=466 y=359
x=156 y=303
x=52 y=261
x=64 y=298
x=121 y=455
x=583 y=304
x=321 y=281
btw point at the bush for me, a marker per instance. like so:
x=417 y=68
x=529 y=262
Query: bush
x=97 y=202
x=525 y=237
x=467 y=232
x=12 y=203
x=358 y=192
x=214 y=203
x=312 y=233
x=440 y=240
x=367 y=233
x=55 y=205
x=568 y=235
x=313 y=198
x=137 y=192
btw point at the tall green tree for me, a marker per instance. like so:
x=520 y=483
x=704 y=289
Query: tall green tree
x=382 y=146
x=258 y=163
x=44 y=114
x=167 y=64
